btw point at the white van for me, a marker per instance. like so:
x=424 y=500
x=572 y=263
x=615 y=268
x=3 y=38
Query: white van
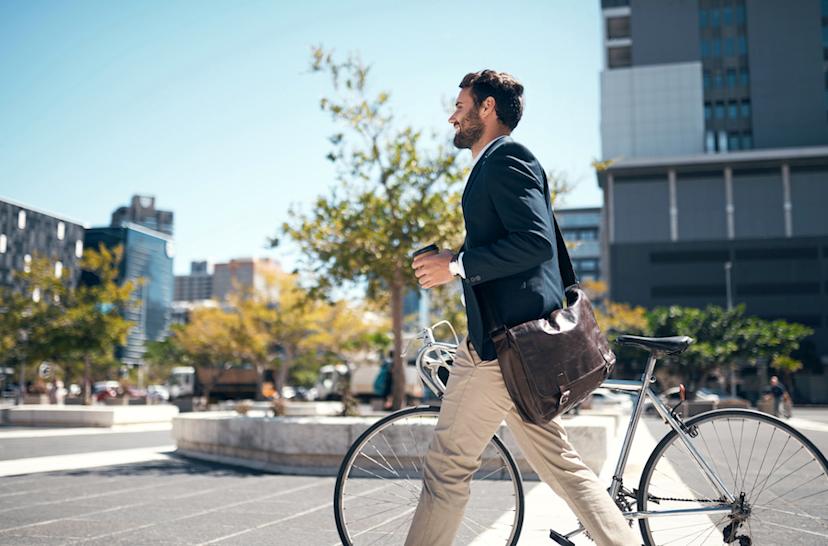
x=363 y=375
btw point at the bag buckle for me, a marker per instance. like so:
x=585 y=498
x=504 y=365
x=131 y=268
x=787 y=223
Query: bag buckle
x=564 y=398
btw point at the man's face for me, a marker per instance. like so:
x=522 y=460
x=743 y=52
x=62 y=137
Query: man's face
x=466 y=120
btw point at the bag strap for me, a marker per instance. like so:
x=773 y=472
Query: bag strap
x=564 y=261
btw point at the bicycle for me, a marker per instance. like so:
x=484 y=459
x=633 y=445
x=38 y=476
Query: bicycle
x=702 y=484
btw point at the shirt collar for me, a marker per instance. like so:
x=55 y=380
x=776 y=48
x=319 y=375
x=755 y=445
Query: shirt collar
x=483 y=151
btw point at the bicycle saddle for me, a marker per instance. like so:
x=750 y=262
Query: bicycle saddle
x=672 y=345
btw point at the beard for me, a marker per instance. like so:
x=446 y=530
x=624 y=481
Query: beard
x=471 y=129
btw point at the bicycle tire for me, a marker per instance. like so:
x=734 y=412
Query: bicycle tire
x=756 y=525
x=342 y=479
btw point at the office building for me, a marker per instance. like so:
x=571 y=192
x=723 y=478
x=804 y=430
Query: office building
x=715 y=117
x=197 y=286
x=27 y=233
x=252 y=273
x=148 y=256
x=581 y=229
x=142 y=211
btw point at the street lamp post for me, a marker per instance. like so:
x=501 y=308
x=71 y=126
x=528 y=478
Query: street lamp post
x=728 y=267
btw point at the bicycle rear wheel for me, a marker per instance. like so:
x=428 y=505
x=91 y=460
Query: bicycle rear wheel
x=779 y=479
x=379 y=482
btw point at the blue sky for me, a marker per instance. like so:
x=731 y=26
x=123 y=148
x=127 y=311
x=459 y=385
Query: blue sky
x=208 y=105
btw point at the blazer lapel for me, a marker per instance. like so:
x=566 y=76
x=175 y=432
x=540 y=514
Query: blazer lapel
x=479 y=166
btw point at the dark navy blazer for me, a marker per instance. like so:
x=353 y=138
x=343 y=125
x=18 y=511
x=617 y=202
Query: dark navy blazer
x=509 y=255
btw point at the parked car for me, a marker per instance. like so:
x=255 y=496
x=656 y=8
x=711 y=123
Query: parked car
x=158 y=393
x=101 y=390
x=602 y=398
x=672 y=396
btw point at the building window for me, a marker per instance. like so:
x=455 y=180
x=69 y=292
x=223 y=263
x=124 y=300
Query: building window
x=718 y=80
x=722 y=141
x=78 y=249
x=27 y=263
x=716 y=48
x=742 y=45
x=614 y=3
x=36 y=295
x=720 y=110
x=733 y=141
x=744 y=77
x=708 y=81
x=709 y=142
x=714 y=18
x=702 y=18
x=618 y=27
x=61 y=231
x=58 y=269
x=740 y=15
x=729 y=47
x=731 y=77
x=21 y=219
x=727 y=16
x=733 y=110
x=619 y=57
x=745 y=108
x=588 y=265
x=3 y=243
x=747 y=141
x=708 y=110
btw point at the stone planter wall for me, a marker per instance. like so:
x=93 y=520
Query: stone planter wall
x=316 y=445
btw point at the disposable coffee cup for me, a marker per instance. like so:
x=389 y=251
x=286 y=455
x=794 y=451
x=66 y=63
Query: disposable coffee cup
x=430 y=249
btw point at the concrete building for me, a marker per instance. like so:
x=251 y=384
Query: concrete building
x=148 y=255
x=27 y=233
x=581 y=228
x=683 y=77
x=196 y=286
x=142 y=211
x=255 y=273
x=715 y=114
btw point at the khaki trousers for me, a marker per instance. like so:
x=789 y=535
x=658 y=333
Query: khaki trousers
x=473 y=408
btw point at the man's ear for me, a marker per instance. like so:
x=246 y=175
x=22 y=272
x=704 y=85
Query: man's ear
x=489 y=106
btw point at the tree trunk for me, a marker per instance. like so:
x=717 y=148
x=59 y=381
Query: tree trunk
x=259 y=381
x=87 y=380
x=284 y=368
x=397 y=367
x=21 y=384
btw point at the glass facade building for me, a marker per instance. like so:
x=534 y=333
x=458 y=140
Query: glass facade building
x=148 y=256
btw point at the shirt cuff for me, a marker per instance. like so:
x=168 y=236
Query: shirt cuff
x=460 y=269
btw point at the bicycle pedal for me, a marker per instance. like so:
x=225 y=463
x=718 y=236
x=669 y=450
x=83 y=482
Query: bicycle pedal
x=559 y=538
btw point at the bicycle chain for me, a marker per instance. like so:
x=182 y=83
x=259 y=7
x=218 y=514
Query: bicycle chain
x=656 y=499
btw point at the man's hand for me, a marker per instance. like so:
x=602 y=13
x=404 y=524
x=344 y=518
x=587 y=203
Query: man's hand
x=433 y=269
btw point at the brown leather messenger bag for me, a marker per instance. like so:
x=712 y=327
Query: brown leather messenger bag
x=553 y=363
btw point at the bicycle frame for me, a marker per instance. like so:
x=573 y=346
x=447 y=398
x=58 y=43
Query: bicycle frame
x=644 y=392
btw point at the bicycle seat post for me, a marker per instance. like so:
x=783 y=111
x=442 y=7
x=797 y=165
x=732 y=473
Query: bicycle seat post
x=634 y=418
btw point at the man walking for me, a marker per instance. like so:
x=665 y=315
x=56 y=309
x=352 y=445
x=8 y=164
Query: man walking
x=508 y=265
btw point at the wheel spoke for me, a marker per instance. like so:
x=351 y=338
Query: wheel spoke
x=391 y=452
x=780 y=488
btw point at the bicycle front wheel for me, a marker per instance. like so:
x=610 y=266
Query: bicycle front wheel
x=380 y=479
x=778 y=477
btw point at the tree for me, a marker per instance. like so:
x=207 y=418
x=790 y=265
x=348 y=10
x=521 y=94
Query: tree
x=725 y=337
x=393 y=194
x=27 y=318
x=714 y=330
x=92 y=325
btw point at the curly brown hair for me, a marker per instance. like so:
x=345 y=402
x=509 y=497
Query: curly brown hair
x=506 y=91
